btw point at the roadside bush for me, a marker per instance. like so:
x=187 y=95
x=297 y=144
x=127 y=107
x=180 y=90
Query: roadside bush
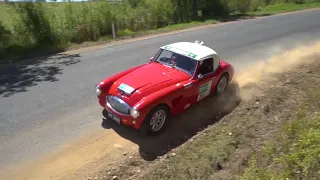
x=160 y=12
x=125 y=32
x=31 y=32
x=256 y=4
x=299 y=1
x=243 y=6
x=60 y=28
x=267 y=2
x=302 y=1
x=105 y=18
x=33 y=23
x=215 y=7
x=70 y=21
x=182 y=10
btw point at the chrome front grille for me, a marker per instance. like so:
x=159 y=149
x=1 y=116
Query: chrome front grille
x=118 y=105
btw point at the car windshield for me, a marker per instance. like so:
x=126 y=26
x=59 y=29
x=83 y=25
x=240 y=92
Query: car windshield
x=178 y=61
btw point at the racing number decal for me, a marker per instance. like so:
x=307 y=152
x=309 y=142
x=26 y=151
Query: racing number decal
x=204 y=90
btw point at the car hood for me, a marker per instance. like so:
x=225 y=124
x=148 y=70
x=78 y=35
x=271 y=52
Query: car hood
x=146 y=80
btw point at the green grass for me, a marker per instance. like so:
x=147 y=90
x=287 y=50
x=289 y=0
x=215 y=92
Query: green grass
x=281 y=8
x=169 y=28
x=296 y=156
x=6 y=14
x=173 y=27
x=184 y=25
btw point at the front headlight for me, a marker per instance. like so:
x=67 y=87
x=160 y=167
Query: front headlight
x=98 y=90
x=134 y=113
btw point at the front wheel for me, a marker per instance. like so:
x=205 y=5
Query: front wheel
x=156 y=120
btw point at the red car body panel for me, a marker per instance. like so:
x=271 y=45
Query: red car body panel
x=147 y=80
x=156 y=84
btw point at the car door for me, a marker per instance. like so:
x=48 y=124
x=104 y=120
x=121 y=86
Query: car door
x=196 y=89
x=206 y=80
x=186 y=96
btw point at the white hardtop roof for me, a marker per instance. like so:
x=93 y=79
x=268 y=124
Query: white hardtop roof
x=196 y=50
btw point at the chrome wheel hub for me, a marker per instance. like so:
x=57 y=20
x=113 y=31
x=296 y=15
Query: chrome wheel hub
x=157 y=120
x=222 y=84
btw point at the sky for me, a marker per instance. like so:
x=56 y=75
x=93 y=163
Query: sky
x=46 y=0
x=56 y=1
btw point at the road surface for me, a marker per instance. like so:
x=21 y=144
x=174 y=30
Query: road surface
x=46 y=104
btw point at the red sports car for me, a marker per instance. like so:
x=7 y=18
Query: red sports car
x=179 y=75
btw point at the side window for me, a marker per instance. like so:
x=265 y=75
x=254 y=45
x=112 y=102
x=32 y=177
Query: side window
x=206 y=66
x=164 y=56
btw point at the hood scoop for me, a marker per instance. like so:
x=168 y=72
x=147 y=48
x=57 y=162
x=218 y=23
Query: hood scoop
x=126 y=89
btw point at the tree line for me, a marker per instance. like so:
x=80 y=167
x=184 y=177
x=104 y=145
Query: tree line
x=40 y=25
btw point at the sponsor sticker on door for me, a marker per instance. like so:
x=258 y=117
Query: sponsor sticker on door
x=204 y=90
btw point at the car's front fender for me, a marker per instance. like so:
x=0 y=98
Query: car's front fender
x=166 y=96
x=107 y=83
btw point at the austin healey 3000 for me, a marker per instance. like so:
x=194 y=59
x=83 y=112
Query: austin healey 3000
x=179 y=75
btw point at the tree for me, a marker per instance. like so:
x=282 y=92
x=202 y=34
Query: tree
x=195 y=9
x=134 y=3
x=211 y=8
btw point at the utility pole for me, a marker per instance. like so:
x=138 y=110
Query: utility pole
x=113 y=31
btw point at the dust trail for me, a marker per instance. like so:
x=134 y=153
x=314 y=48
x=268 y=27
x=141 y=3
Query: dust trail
x=261 y=73
x=248 y=82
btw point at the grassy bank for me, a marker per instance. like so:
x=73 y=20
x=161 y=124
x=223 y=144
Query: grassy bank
x=30 y=29
x=282 y=8
x=274 y=135
x=294 y=156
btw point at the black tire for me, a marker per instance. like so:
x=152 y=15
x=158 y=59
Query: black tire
x=226 y=76
x=146 y=125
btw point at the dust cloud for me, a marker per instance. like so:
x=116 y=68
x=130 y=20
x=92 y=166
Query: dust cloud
x=250 y=78
x=106 y=143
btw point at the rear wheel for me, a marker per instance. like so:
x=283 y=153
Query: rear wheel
x=156 y=120
x=222 y=84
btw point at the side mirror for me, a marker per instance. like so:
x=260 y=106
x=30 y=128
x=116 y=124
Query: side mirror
x=151 y=59
x=200 y=76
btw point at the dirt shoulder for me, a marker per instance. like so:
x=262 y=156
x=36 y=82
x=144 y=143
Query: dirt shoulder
x=216 y=139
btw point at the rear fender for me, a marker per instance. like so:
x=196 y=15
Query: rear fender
x=227 y=68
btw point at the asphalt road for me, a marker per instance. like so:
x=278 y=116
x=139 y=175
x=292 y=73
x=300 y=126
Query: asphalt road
x=46 y=104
